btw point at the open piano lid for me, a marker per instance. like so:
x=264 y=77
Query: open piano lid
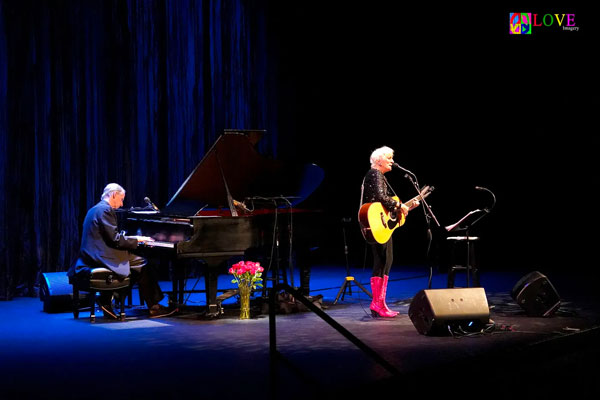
x=233 y=164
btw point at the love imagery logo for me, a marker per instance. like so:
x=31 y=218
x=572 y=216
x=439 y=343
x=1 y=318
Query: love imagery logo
x=524 y=23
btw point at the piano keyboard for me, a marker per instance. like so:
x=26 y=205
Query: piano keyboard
x=157 y=243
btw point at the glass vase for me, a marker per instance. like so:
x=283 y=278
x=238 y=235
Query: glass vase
x=245 y=302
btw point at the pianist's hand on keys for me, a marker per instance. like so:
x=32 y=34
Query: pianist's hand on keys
x=142 y=239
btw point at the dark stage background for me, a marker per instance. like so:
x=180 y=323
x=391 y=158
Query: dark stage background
x=136 y=91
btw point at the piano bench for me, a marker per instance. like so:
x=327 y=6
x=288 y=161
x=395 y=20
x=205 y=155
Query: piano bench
x=99 y=280
x=469 y=266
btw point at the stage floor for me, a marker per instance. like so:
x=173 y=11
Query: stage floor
x=55 y=356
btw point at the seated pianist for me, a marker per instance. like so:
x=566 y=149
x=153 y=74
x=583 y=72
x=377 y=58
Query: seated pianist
x=103 y=246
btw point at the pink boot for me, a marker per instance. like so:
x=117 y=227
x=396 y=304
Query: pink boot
x=377 y=308
x=383 y=294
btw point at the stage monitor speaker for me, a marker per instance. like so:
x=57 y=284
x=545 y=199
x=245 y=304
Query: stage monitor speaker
x=56 y=292
x=536 y=295
x=439 y=311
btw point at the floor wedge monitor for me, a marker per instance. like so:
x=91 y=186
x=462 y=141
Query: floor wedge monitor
x=56 y=292
x=441 y=311
x=536 y=295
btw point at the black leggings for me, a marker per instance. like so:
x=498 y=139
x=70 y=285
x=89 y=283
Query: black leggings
x=383 y=255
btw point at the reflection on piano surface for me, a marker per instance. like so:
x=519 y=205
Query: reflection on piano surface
x=234 y=202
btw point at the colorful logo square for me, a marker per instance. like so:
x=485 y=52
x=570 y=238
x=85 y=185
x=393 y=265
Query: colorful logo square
x=520 y=23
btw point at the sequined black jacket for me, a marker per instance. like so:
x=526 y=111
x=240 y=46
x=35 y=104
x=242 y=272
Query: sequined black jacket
x=376 y=189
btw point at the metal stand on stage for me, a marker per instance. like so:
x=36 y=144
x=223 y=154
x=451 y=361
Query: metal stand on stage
x=464 y=225
x=279 y=275
x=429 y=216
x=347 y=285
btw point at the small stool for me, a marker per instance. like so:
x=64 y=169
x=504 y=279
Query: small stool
x=470 y=266
x=100 y=279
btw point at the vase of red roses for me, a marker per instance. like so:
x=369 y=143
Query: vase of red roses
x=247 y=275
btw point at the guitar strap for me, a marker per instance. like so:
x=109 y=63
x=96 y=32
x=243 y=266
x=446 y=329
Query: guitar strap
x=362 y=192
x=390 y=186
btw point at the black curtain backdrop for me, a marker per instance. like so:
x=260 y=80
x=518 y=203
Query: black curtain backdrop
x=464 y=104
x=136 y=91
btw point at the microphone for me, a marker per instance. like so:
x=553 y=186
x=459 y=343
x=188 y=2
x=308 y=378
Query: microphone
x=151 y=204
x=403 y=169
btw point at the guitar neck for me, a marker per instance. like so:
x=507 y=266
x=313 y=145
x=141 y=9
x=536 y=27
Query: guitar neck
x=424 y=193
x=411 y=203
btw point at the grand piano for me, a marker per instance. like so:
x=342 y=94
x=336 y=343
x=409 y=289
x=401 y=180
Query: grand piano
x=235 y=203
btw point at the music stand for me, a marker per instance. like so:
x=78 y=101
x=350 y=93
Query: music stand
x=467 y=222
x=347 y=285
x=463 y=225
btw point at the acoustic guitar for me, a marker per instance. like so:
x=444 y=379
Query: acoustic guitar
x=377 y=223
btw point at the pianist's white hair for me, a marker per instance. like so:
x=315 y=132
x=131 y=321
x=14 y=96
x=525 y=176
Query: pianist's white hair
x=377 y=154
x=110 y=189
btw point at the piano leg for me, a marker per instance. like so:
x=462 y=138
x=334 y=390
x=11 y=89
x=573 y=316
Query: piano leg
x=211 y=275
x=305 y=280
x=182 y=273
x=303 y=258
x=178 y=273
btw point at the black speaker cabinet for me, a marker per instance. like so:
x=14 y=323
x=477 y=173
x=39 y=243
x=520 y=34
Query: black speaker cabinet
x=433 y=311
x=536 y=295
x=56 y=292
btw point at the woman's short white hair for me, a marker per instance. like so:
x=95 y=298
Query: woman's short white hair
x=110 y=189
x=377 y=154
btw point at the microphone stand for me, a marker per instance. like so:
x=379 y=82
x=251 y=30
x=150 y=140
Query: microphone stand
x=347 y=285
x=429 y=215
x=278 y=273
